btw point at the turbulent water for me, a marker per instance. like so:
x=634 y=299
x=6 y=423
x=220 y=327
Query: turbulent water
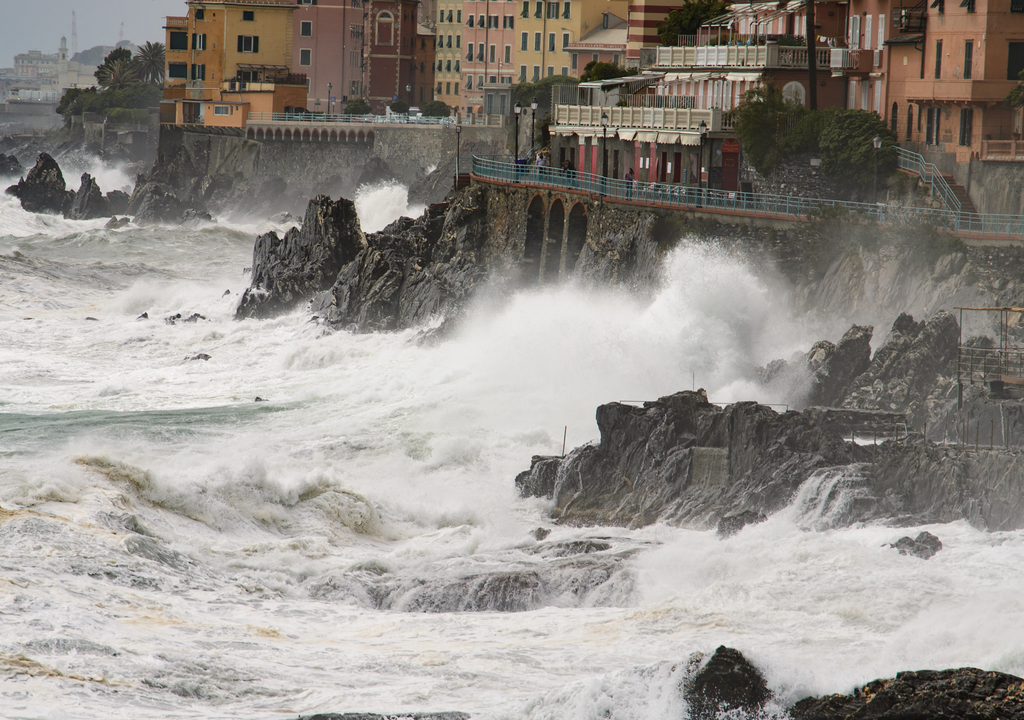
x=172 y=547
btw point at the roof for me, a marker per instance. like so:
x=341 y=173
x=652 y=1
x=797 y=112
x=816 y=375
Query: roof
x=646 y=78
x=422 y=29
x=905 y=40
x=275 y=3
x=603 y=37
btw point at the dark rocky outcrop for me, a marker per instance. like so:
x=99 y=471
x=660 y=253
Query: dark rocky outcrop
x=117 y=201
x=9 y=166
x=155 y=202
x=375 y=716
x=923 y=546
x=961 y=694
x=88 y=202
x=44 y=189
x=291 y=270
x=724 y=682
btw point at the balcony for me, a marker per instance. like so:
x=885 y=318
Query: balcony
x=176 y=22
x=677 y=119
x=739 y=56
x=958 y=91
x=266 y=84
x=1004 y=150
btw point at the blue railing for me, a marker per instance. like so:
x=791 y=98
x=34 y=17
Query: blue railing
x=690 y=197
x=915 y=163
x=314 y=117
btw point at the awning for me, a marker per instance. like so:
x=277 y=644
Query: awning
x=647 y=137
x=675 y=138
x=749 y=76
x=243 y=66
x=627 y=134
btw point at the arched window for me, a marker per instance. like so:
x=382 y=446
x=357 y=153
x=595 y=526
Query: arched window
x=385 y=28
x=794 y=91
x=892 y=118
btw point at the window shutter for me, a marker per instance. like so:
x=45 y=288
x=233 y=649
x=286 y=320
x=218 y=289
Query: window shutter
x=239 y=43
x=255 y=44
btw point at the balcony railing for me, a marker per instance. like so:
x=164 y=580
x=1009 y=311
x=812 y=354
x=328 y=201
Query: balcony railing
x=1002 y=150
x=177 y=21
x=480 y=119
x=756 y=56
x=638 y=117
x=978 y=366
x=914 y=163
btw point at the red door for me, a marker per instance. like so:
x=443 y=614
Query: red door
x=730 y=165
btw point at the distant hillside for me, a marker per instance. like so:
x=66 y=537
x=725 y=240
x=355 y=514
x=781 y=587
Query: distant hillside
x=95 y=55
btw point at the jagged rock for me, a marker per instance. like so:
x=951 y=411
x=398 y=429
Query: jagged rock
x=833 y=367
x=155 y=202
x=44 y=189
x=195 y=218
x=115 y=222
x=88 y=202
x=923 y=546
x=10 y=167
x=290 y=270
x=923 y=695
x=374 y=716
x=198 y=356
x=118 y=202
x=725 y=682
x=732 y=524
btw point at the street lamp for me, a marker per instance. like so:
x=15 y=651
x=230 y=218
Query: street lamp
x=877 y=142
x=330 y=99
x=458 y=135
x=703 y=130
x=518 y=109
x=604 y=145
x=408 y=90
x=533 y=122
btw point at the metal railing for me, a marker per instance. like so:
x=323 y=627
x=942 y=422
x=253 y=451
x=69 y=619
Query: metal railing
x=638 y=117
x=756 y=56
x=395 y=119
x=982 y=365
x=915 y=163
x=691 y=197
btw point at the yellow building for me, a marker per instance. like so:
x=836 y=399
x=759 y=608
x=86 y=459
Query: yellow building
x=548 y=28
x=229 y=58
x=448 y=53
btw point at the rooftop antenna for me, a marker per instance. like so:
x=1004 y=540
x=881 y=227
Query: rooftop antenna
x=120 y=35
x=74 y=34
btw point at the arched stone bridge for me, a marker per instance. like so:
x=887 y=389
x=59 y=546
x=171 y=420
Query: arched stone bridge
x=311 y=132
x=556 y=231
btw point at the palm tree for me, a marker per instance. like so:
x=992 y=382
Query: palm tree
x=117 y=74
x=149 y=62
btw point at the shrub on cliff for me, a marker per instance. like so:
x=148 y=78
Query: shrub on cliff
x=847 y=150
x=436 y=108
x=761 y=121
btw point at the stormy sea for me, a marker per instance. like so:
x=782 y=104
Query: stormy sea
x=202 y=517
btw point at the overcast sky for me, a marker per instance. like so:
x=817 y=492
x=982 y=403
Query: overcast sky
x=39 y=24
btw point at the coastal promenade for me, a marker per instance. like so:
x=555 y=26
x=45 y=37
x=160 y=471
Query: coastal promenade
x=754 y=206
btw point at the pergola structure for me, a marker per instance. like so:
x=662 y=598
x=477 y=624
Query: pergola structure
x=998 y=366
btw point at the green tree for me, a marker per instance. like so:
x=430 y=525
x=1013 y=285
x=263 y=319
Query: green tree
x=686 y=20
x=149 y=62
x=117 y=74
x=525 y=93
x=760 y=124
x=1016 y=96
x=357 y=106
x=118 y=54
x=847 y=151
x=399 y=106
x=595 y=70
x=436 y=108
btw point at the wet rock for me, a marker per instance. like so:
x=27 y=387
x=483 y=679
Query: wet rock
x=115 y=222
x=833 y=367
x=88 y=202
x=194 y=317
x=117 y=201
x=195 y=218
x=389 y=716
x=143 y=316
x=200 y=356
x=540 y=533
x=10 y=167
x=923 y=546
x=155 y=202
x=259 y=399
x=290 y=270
x=923 y=695
x=44 y=189
x=732 y=524
x=725 y=682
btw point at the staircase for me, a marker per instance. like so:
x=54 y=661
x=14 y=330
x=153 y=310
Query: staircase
x=960 y=192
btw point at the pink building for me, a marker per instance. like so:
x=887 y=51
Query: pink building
x=328 y=48
x=488 y=37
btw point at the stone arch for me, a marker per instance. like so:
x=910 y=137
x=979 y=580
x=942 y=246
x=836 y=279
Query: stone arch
x=316 y=135
x=553 y=246
x=287 y=133
x=533 y=245
x=893 y=118
x=305 y=136
x=369 y=137
x=351 y=135
x=795 y=91
x=278 y=135
x=334 y=135
x=250 y=134
x=259 y=134
x=575 y=235
x=361 y=136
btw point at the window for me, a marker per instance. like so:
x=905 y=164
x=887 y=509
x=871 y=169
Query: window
x=306 y=28
x=508 y=54
x=536 y=42
x=966 y=119
x=200 y=14
x=539 y=9
x=469 y=21
x=198 y=72
x=575 y=61
x=969 y=4
x=248 y=15
x=565 y=10
x=551 y=42
x=479 y=81
x=248 y=44
x=551 y=70
x=1014 y=60
x=552 y=11
x=440 y=19
x=938 y=59
x=522 y=73
x=509 y=22
x=526 y=9
x=493 y=21
x=594 y=57
x=536 y=73
x=929 y=126
x=458 y=41
x=306 y=2
x=448 y=66
x=968 y=59
x=524 y=42
x=910 y=121
x=198 y=41
x=490 y=54
x=305 y=57
x=440 y=65
x=565 y=40
x=456 y=88
x=457 y=66
x=179 y=41
x=438 y=91
x=469 y=52
x=1017 y=6
x=220 y=110
x=458 y=16
x=615 y=59
x=449 y=16
x=480 y=53
x=447 y=88
x=177 y=71
x=449 y=42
